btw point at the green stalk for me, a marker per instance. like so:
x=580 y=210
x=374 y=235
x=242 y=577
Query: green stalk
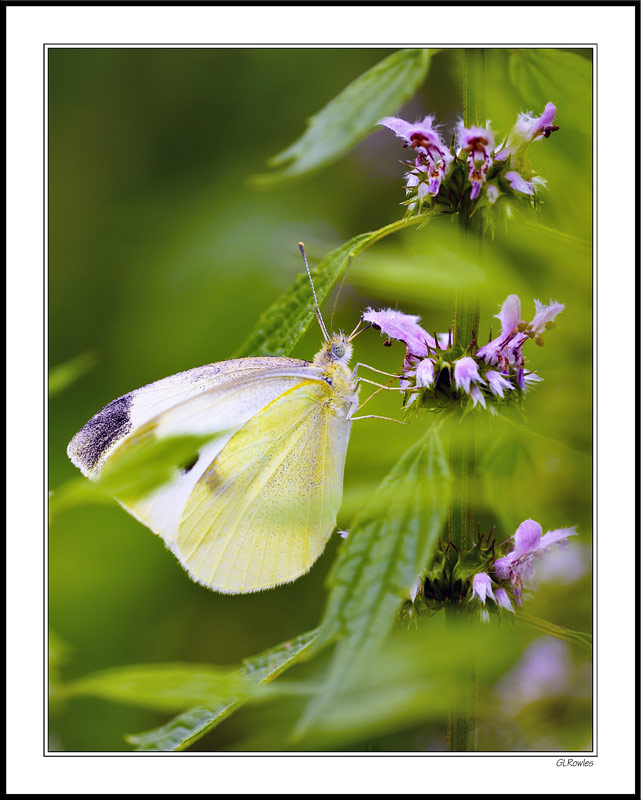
x=462 y=715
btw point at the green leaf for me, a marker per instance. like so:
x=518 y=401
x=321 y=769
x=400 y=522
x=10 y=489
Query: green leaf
x=280 y=328
x=544 y=75
x=143 y=463
x=584 y=640
x=185 y=729
x=162 y=687
x=351 y=115
x=64 y=375
x=139 y=466
x=390 y=544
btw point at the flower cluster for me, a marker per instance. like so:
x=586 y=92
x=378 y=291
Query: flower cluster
x=473 y=169
x=436 y=372
x=470 y=578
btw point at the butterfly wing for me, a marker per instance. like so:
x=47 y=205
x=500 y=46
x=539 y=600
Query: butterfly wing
x=220 y=411
x=262 y=512
x=124 y=417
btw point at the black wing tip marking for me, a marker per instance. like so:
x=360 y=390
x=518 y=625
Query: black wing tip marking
x=99 y=434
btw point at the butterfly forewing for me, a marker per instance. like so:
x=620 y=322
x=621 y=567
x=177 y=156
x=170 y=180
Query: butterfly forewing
x=121 y=419
x=262 y=512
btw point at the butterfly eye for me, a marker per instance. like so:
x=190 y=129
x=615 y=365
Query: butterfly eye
x=338 y=349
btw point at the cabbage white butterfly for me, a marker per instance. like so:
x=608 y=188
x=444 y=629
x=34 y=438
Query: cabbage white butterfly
x=257 y=505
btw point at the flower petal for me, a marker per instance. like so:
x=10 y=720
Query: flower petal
x=425 y=372
x=527 y=537
x=559 y=536
x=518 y=183
x=503 y=599
x=545 y=314
x=403 y=327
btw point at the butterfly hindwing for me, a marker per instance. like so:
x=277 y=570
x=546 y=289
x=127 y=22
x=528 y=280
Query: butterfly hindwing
x=261 y=513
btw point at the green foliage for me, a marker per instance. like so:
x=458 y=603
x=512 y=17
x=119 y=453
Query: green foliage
x=161 y=687
x=64 y=375
x=351 y=115
x=188 y=727
x=392 y=540
x=545 y=75
x=579 y=638
x=279 y=329
x=207 y=254
x=135 y=469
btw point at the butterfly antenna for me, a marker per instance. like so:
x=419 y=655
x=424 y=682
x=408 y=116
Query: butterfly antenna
x=338 y=294
x=301 y=247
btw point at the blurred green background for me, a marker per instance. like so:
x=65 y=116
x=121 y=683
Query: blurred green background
x=161 y=258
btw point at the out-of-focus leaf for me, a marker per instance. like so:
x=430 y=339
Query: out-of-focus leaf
x=584 y=640
x=139 y=466
x=64 y=375
x=185 y=729
x=406 y=683
x=279 y=329
x=544 y=75
x=390 y=543
x=133 y=471
x=351 y=115
x=163 y=687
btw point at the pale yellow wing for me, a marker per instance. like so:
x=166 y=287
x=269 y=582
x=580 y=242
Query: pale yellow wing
x=220 y=410
x=262 y=512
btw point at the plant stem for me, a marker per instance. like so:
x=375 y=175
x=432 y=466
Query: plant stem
x=462 y=715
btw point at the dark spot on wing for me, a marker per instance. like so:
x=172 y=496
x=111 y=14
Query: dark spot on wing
x=102 y=431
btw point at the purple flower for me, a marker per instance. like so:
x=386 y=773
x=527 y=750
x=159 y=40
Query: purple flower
x=466 y=371
x=477 y=396
x=544 y=671
x=502 y=598
x=518 y=183
x=497 y=382
x=478 y=143
x=433 y=158
x=403 y=327
x=529 y=544
x=528 y=129
x=425 y=372
x=505 y=350
x=482 y=587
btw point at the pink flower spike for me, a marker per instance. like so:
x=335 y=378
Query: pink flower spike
x=482 y=587
x=497 y=382
x=433 y=158
x=425 y=373
x=466 y=371
x=518 y=183
x=503 y=599
x=403 y=327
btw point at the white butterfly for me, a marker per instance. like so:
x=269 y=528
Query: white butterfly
x=258 y=504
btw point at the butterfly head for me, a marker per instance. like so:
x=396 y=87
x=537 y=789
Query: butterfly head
x=336 y=350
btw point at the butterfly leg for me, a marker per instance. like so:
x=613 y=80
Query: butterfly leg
x=380 y=371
